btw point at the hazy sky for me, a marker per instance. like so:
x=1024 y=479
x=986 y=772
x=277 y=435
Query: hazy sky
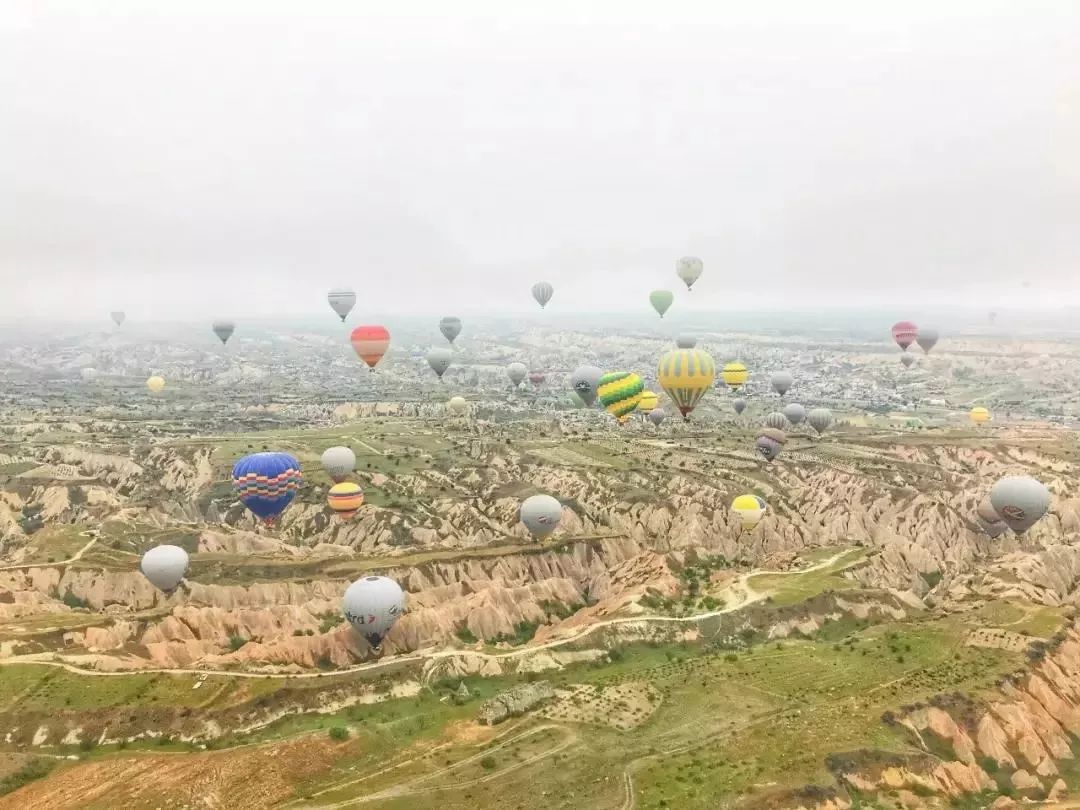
x=197 y=158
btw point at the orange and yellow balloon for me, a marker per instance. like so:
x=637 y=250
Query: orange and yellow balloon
x=735 y=375
x=979 y=415
x=156 y=384
x=345 y=499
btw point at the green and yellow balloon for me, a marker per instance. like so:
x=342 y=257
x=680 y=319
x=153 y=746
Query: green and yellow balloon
x=620 y=392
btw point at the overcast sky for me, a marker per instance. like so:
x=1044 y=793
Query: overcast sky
x=182 y=158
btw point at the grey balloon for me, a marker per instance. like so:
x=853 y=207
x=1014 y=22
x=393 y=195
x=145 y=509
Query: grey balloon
x=117 y=316
x=768 y=447
x=689 y=268
x=516 y=372
x=987 y=512
x=820 y=419
x=657 y=416
x=992 y=530
x=342 y=300
x=450 y=326
x=1020 y=500
x=686 y=341
x=781 y=381
x=907 y=359
x=927 y=338
x=372 y=605
x=794 y=412
x=439 y=360
x=775 y=420
x=542 y=292
x=739 y=405
x=584 y=381
x=224 y=330
x=165 y=567
x=541 y=515
x=338 y=462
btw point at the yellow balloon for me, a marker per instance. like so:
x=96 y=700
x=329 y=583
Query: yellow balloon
x=979 y=415
x=686 y=375
x=156 y=384
x=345 y=498
x=648 y=401
x=750 y=509
x=735 y=375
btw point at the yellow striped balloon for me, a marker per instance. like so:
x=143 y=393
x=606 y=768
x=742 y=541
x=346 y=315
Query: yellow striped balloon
x=979 y=415
x=750 y=509
x=345 y=498
x=735 y=375
x=648 y=401
x=620 y=392
x=686 y=375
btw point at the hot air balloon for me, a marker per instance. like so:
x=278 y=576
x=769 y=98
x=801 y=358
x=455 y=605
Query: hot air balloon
x=989 y=520
x=537 y=378
x=372 y=605
x=781 y=381
x=689 y=268
x=345 y=498
x=165 y=567
x=342 y=300
x=516 y=372
x=657 y=416
x=542 y=292
x=769 y=441
x=370 y=343
x=927 y=338
x=584 y=380
x=457 y=406
x=541 y=515
x=979 y=415
x=156 y=384
x=775 y=420
x=904 y=333
x=450 y=327
x=907 y=360
x=749 y=509
x=735 y=375
x=338 y=462
x=648 y=401
x=224 y=330
x=685 y=341
x=267 y=483
x=987 y=512
x=794 y=412
x=117 y=317
x=661 y=300
x=820 y=419
x=1020 y=500
x=739 y=405
x=619 y=392
x=686 y=375
x=439 y=360
x=88 y=374
x=992 y=530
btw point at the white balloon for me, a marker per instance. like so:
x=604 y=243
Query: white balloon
x=165 y=566
x=372 y=605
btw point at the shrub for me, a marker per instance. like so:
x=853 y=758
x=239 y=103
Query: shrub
x=488 y=763
x=73 y=601
x=339 y=733
x=236 y=642
x=34 y=769
x=465 y=635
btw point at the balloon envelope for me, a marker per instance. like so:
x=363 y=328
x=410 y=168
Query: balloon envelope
x=820 y=419
x=907 y=360
x=739 y=405
x=537 y=378
x=657 y=415
x=749 y=509
x=266 y=483
x=156 y=384
x=342 y=300
x=439 y=360
x=542 y=292
x=372 y=605
x=775 y=420
x=584 y=380
x=458 y=406
x=345 y=498
x=685 y=341
x=648 y=401
x=904 y=333
x=338 y=462
x=979 y=415
x=224 y=330
x=165 y=567
x=927 y=338
x=686 y=375
x=689 y=268
x=987 y=512
x=735 y=375
x=450 y=326
x=661 y=300
x=117 y=317
x=541 y=515
x=370 y=343
x=794 y=412
x=619 y=392
x=88 y=374
x=1020 y=500
x=781 y=381
x=516 y=372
